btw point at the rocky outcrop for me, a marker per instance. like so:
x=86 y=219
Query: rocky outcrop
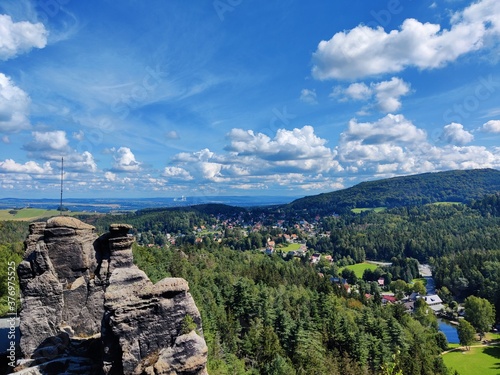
x=88 y=309
x=57 y=282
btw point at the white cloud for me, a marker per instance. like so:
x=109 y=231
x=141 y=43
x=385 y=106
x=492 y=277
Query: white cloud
x=364 y=51
x=177 y=173
x=388 y=94
x=79 y=136
x=454 y=133
x=48 y=141
x=110 y=176
x=172 y=134
x=337 y=92
x=5 y=139
x=308 y=96
x=492 y=126
x=80 y=162
x=125 y=161
x=14 y=106
x=255 y=158
x=296 y=144
x=358 y=91
x=29 y=167
x=202 y=155
x=20 y=37
x=391 y=128
x=394 y=146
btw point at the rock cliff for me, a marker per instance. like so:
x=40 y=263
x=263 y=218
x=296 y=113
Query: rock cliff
x=87 y=309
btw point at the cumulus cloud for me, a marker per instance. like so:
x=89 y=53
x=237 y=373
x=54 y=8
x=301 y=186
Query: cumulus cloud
x=83 y=162
x=48 y=141
x=254 y=158
x=296 y=144
x=391 y=128
x=359 y=91
x=455 y=134
x=14 y=106
x=177 y=173
x=110 y=176
x=202 y=155
x=394 y=146
x=20 y=37
x=492 y=126
x=125 y=161
x=386 y=95
x=30 y=167
x=308 y=96
x=54 y=145
x=365 y=51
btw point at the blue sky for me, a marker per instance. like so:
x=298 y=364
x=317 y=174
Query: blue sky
x=232 y=97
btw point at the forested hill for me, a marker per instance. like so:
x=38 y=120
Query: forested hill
x=450 y=186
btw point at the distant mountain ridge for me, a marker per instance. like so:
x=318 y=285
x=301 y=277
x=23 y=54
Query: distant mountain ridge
x=450 y=186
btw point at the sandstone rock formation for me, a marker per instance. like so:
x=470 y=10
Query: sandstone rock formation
x=87 y=309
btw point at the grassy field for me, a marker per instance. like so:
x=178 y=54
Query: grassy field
x=376 y=209
x=360 y=268
x=484 y=360
x=28 y=214
x=445 y=203
x=290 y=247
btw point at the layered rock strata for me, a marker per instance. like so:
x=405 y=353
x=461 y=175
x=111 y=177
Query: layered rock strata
x=88 y=309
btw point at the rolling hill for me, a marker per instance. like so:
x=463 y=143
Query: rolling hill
x=450 y=186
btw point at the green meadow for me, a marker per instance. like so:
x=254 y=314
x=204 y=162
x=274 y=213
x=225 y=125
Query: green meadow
x=360 y=268
x=290 y=247
x=446 y=203
x=28 y=214
x=484 y=360
x=376 y=209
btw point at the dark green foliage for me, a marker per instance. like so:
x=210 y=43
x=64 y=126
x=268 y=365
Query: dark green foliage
x=163 y=220
x=489 y=205
x=413 y=232
x=480 y=313
x=188 y=324
x=451 y=186
x=466 y=333
x=10 y=255
x=13 y=231
x=474 y=272
x=12 y=235
x=264 y=315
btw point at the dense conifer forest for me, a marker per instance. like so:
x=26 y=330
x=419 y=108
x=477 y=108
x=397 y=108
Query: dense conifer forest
x=264 y=315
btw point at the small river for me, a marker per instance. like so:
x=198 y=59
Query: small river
x=449 y=330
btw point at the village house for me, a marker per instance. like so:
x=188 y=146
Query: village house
x=434 y=302
x=315 y=258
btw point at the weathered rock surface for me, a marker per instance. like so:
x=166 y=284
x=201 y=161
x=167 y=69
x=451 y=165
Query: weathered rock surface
x=57 y=282
x=87 y=309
